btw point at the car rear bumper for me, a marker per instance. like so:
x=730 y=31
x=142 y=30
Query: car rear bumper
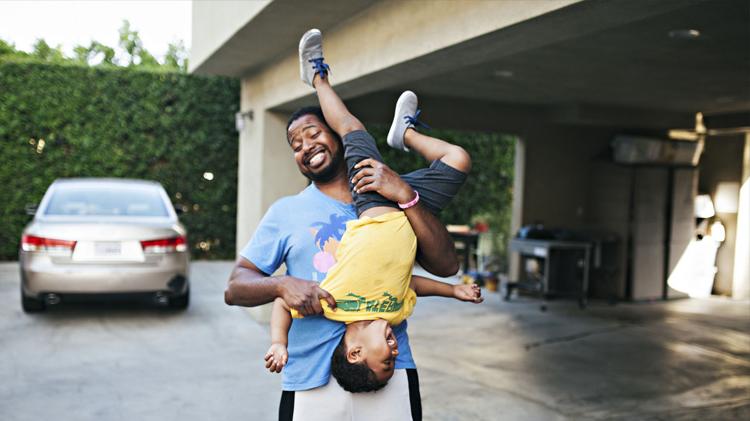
x=40 y=275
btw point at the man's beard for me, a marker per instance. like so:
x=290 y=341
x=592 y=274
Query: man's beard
x=330 y=172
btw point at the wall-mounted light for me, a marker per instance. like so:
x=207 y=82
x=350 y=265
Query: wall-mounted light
x=240 y=119
x=503 y=73
x=684 y=33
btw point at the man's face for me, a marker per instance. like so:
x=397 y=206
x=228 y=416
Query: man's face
x=317 y=151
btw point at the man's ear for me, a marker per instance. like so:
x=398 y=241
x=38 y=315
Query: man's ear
x=354 y=354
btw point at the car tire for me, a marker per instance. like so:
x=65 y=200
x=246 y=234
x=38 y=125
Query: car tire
x=180 y=302
x=31 y=304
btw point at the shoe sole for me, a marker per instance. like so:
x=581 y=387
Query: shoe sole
x=302 y=42
x=397 y=120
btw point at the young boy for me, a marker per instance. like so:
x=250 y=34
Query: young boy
x=371 y=280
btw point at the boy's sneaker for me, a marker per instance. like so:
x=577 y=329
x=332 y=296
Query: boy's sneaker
x=405 y=116
x=311 y=56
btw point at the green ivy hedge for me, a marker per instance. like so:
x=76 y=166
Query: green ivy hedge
x=488 y=193
x=76 y=121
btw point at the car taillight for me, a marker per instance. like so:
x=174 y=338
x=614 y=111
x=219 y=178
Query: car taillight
x=165 y=245
x=34 y=243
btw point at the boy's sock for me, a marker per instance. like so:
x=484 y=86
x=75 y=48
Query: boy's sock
x=311 y=56
x=404 y=117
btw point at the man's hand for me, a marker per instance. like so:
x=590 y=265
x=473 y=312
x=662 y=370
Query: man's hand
x=276 y=357
x=304 y=296
x=378 y=177
x=471 y=293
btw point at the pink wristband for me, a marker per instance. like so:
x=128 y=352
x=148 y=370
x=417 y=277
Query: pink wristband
x=410 y=204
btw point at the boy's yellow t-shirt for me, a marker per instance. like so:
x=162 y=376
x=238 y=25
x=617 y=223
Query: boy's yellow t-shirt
x=371 y=277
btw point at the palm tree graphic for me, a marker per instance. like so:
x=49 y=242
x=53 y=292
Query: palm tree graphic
x=335 y=228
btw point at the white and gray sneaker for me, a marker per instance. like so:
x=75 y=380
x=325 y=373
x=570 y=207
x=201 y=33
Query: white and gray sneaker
x=311 y=56
x=405 y=117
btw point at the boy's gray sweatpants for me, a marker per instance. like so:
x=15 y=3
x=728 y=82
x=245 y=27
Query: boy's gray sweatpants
x=436 y=185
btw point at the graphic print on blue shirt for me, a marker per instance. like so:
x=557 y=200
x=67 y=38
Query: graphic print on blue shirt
x=327 y=238
x=303 y=232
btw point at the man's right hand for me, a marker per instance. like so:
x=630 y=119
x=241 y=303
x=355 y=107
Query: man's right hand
x=304 y=296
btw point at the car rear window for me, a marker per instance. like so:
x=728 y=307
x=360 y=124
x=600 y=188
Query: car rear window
x=106 y=201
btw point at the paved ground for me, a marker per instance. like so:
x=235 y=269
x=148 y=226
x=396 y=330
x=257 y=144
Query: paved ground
x=686 y=359
x=126 y=361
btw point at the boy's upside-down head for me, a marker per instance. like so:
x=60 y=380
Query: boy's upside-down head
x=366 y=356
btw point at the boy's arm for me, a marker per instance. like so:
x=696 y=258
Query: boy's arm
x=425 y=287
x=281 y=320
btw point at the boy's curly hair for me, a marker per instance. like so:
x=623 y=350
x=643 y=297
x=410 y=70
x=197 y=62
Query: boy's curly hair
x=353 y=378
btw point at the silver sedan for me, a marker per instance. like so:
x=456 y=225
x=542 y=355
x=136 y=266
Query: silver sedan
x=104 y=236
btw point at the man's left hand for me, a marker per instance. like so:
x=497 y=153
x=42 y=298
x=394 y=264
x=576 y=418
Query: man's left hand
x=378 y=177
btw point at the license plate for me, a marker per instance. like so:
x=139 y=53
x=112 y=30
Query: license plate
x=107 y=249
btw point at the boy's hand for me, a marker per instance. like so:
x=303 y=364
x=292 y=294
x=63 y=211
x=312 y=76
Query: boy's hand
x=276 y=357
x=471 y=293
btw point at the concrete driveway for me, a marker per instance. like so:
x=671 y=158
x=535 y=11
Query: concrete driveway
x=686 y=359
x=130 y=361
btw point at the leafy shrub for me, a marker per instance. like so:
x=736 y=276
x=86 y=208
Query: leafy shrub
x=65 y=120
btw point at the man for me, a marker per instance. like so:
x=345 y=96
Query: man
x=302 y=231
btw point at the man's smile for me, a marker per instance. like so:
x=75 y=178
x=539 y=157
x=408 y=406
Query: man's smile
x=315 y=158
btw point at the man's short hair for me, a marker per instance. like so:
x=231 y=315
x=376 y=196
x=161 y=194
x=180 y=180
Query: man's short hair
x=311 y=110
x=356 y=377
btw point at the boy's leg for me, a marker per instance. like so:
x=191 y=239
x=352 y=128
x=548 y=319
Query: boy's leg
x=439 y=183
x=337 y=115
x=358 y=144
x=403 y=135
x=433 y=149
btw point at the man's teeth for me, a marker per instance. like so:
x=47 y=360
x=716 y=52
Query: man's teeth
x=316 y=159
x=391 y=342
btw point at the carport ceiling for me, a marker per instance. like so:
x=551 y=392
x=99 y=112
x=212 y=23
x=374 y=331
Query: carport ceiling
x=637 y=65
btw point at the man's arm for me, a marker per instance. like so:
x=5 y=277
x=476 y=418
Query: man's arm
x=435 y=249
x=436 y=252
x=249 y=286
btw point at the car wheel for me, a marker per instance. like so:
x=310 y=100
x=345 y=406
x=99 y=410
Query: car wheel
x=180 y=302
x=31 y=304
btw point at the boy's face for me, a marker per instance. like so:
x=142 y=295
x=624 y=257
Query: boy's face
x=374 y=343
x=317 y=151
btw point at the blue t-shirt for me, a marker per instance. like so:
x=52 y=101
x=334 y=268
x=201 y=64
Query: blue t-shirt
x=303 y=231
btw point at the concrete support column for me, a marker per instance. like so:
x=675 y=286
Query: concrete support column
x=267 y=170
x=741 y=279
x=516 y=218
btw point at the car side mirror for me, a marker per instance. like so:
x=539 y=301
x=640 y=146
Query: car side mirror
x=179 y=210
x=31 y=209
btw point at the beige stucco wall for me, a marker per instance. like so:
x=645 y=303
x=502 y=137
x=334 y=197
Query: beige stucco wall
x=215 y=21
x=359 y=48
x=741 y=284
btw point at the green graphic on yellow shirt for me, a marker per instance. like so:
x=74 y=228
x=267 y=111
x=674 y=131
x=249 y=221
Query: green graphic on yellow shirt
x=389 y=304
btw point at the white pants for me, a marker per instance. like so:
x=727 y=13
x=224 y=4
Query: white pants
x=331 y=402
